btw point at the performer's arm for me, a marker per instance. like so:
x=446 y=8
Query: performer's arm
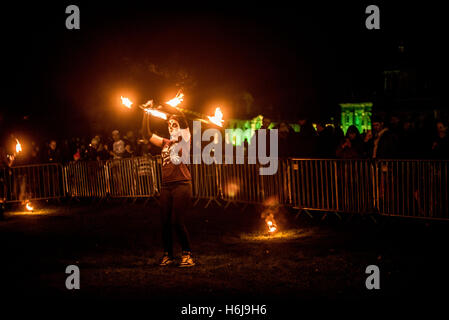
x=11 y=160
x=153 y=138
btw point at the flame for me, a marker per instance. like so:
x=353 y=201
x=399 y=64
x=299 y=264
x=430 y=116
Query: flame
x=18 y=146
x=271 y=208
x=156 y=113
x=126 y=102
x=271 y=226
x=176 y=100
x=148 y=104
x=217 y=118
x=29 y=206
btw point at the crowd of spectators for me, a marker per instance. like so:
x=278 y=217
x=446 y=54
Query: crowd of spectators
x=389 y=138
x=99 y=147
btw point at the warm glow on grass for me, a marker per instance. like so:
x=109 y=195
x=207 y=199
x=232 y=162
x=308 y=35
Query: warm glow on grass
x=40 y=212
x=28 y=209
x=287 y=234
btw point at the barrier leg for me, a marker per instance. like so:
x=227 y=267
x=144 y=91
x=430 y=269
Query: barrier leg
x=300 y=211
x=196 y=202
x=229 y=202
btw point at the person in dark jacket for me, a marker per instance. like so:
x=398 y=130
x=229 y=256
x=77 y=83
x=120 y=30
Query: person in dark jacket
x=325 y=141
x=53 y=153
x=305 y=140
x=384 y=141
x=285 y=140
x=352 y=145
x=440 y=144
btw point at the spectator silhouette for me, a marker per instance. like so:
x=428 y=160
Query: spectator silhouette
x=384 y=142
x=325 y=147
x=440 y=145
x=285 y=140
x=118 y=147
x=352 y=145
x=53 y=153
x=306 y=139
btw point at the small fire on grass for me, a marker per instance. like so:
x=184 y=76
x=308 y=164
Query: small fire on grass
x=271 y=226
x=271 y=208
x=28 y=206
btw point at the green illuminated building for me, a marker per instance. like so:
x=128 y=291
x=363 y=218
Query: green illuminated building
x=358 y=114
x=241 y=130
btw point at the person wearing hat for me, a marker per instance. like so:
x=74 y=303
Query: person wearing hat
x=176 y=191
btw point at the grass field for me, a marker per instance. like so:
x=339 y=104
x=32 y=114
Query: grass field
x=117 y=245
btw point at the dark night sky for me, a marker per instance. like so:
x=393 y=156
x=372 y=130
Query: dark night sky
x=292 y=60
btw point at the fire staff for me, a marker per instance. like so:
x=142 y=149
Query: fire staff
x=176 y=189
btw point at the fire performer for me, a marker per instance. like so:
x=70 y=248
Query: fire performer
x=176 y=192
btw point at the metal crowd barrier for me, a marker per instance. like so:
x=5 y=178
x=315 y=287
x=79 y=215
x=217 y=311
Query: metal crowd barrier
x=32 y=182
x=413 y=188
x=407 y=188
x=130 y=177
x=87 y=179
x=243 y=183
x=205 y=181
x=333 y=185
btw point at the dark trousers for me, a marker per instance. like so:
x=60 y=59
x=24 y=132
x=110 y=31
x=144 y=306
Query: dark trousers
x=175 y=200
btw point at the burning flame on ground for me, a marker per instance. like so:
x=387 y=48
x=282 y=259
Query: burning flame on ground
x=176 y=100
x=18 y=146
x=217 y=118
x=271 y=208
x=271 y=226
x=29 y=206
x=126 y=102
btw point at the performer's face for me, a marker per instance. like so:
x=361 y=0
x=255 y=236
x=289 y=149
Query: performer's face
x=173 y=127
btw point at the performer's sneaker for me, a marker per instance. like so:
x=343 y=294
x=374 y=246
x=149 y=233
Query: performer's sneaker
x=186 y=260
x=166 y=260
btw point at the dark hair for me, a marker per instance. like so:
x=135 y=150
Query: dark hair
x=353 y=129
x=181 y=120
